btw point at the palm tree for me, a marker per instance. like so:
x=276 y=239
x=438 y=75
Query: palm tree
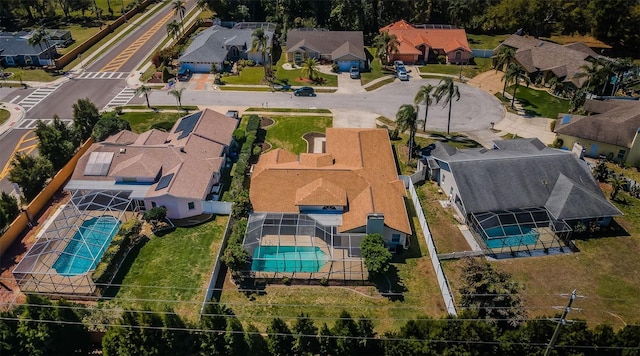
x=386 y=46
x=590 y=72
x=177 y=93
x=504 y=57
x=423 y=96
x=98 y=12
x=143 y=89
x=407 y=118
x=448 y=91
x=617 y=181
x=511 y=76
x=38 y=37
x=18 y=75
x=259 y=44
x=173 y=29
x=179 y=9
x=310 y=68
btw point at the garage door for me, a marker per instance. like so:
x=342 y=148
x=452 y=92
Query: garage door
x=344 y=66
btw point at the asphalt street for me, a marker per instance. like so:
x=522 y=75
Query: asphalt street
x=475 y=110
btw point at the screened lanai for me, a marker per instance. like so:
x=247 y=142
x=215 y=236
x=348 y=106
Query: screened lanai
x=519 y=231
x=72 y=242
x=302 y=246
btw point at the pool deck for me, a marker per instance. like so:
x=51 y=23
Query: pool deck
x=340 y=266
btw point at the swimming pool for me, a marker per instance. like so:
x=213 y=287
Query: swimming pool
x=496 y=237
x=82 y=255
x=288 y=259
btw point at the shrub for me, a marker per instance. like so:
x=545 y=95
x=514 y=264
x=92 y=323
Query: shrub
x=324 y=281
x=335 y=68
x=552 y=125
x=242 y=206
x=253 y=124
x=257 y=150
x=442 y=59
x=239 y=135
x=376 y=256
x=108 y=266
x=286 y=280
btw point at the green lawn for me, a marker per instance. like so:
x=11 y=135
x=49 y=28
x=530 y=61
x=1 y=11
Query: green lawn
x=80 y=34
x=540 y=103
x=485 y=41
x=315 y=111
x=469 y=71
x=377 y=69
x=287 y=131
x=172 y=271
x=293 y=77
x=143 y=121
x=4 y=116
x=249 y=75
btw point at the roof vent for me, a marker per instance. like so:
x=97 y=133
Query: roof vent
x=182 y=150
x=123 y=150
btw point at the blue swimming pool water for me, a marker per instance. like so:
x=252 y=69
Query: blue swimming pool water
x=513 y=237
x=82 y=255
x=288 y=259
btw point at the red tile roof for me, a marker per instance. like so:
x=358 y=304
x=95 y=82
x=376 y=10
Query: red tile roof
x=411 y=37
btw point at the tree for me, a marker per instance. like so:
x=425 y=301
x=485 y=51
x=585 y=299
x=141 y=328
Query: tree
x=592 y=73
x=279 y=338
x=368 y=345
x=157 y=213
x=423 y=96
x=304 y=343
x=38 y=37
x=31 y=174
x=241 y=205
x=235 y=257
x=376 y=256
x=448 y=91
x=256 y=344
x=407 y=118
x=492 y=293
x=8 y=334
x=98 y=12
x=56 y=142
x=174 y=29
x=234 y=338
x=9 y=205
x=242 y=12
x=178 y=342
x=503 y=59
x=259 y=44
x=145 y=90
x=19 y=75
x=310 y=68
x=346 y=327
x=512 y=76
x=617 y=181
x=214 y=323
x=386 y=46
x=326 y=341
x=179 y=9
x=108 y=125
x=85 y=116
x=177 y=93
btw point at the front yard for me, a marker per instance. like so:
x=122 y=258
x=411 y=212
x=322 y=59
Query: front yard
x=538 y=102
x=287 y=131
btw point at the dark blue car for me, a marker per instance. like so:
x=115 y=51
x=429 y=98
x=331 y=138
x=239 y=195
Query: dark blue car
x=304 y=91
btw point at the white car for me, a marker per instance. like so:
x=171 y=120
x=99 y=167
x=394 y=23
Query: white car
x=402 y=75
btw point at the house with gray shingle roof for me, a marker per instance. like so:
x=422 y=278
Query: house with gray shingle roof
x=547 y=59
x=218 y=44
x=521 y=189
x=180 y=169
x=345 y=48
x=15 y=50
x=610 y=128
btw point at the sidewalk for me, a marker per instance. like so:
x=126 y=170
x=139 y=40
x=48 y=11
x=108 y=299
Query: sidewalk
x=17 y=114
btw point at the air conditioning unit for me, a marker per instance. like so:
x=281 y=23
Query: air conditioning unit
x=123 y=150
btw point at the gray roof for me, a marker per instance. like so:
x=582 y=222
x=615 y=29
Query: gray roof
x=519 y=177
x=335 y=43
x=615 y=122
x=564 y=61
x=17 y=44
x=212 y=44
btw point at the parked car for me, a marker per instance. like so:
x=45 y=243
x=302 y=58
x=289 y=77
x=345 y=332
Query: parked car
x=354 y=72
x=304 y=91
x=399 y=65
x=232 y=114
x=402 y=75
x=184 y=75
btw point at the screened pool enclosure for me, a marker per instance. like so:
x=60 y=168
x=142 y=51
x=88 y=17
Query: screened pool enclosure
x=302 y=246
x=72 y=242
x=519 y=231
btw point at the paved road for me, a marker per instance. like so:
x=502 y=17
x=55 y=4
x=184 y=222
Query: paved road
x=475 y=110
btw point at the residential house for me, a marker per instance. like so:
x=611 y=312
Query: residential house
x=179 y=169
x=543 y=60
x=610 y=129
x=218 y=44
x=425 y=43
x=15 y=50
x=351 y=186
x=344 y=48
x=520 y=192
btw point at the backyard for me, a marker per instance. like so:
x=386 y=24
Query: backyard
x=142 y=121
x=287 y=131
x=171 y=270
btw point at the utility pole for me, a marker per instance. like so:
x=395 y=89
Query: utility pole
x=561 y=322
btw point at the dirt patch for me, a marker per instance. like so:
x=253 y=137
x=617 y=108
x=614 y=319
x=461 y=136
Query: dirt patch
x=265 y=146
x=310 y=138
x=266 y=121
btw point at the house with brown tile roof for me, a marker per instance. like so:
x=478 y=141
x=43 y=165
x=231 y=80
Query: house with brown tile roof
x=422 y=43
x=345 y=48
x=355 y=179
x=178 y=169
x=547 y=59
x=610 y=128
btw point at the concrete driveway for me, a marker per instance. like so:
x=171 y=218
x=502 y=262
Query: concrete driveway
x=346 y=85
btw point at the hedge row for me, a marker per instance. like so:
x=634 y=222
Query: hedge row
x=112 y=257
x=240 y=169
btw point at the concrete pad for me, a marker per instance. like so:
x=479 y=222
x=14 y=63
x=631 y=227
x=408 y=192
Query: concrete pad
x=354 y=119
x=346 y=85
x=526 y=127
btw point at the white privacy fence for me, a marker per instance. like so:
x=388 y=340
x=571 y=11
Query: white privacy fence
x=433 y=254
